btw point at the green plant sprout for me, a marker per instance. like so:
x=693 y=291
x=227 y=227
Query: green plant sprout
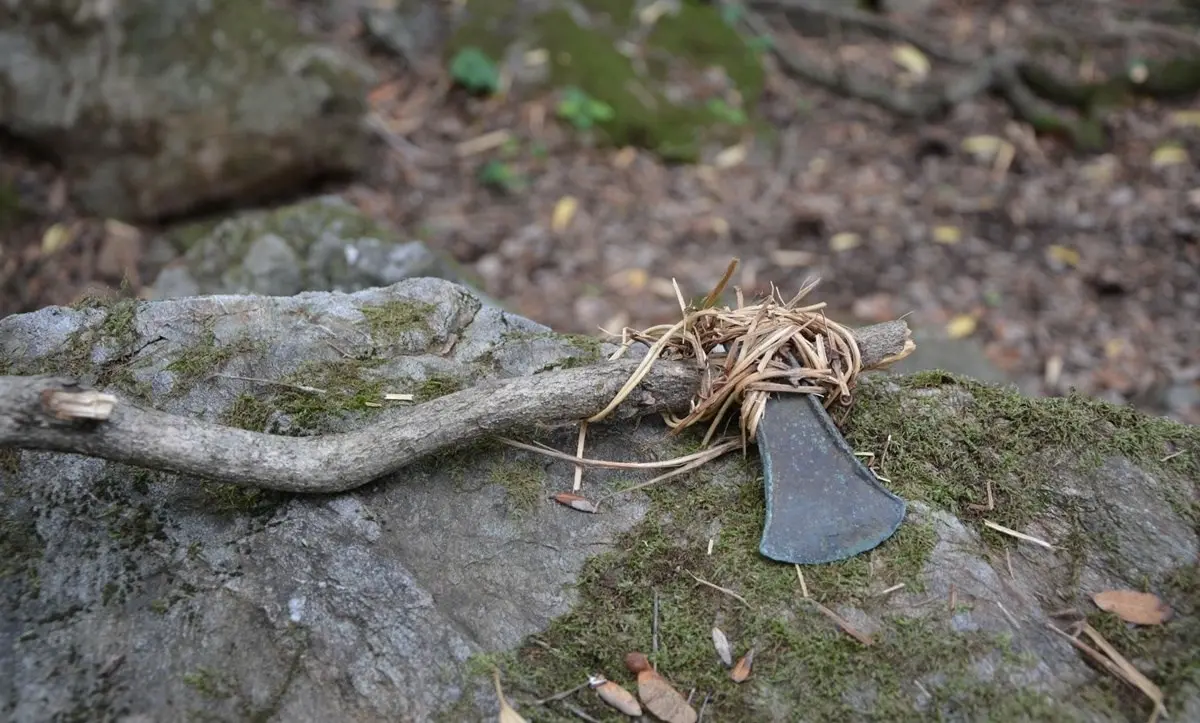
x=501 y=177
x=474 y=70
x=582 y=110
x=726 y=113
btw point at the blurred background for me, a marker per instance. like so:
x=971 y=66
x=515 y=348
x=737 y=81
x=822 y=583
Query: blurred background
x=1017 y=177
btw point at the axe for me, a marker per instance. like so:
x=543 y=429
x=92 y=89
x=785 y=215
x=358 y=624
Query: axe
x=822 y=503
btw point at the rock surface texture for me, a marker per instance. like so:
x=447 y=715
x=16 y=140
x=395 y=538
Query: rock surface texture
x=156 y=109
x=131 y=594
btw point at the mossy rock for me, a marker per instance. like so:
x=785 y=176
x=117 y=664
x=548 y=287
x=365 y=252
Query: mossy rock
x=663 y=95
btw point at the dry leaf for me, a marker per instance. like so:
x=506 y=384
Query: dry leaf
x=721 y=643
x=507 y=714
x=564 y=211
x=844 y=241
x=1140 y=608
x=1113 y=348
x=616 y=696
x=625 y=157
x=1186 y=118
x=1064 y=255
x=659 y=696
x=483 y=143
x=912 y=60
x=730 y=157
x=947 y=234
x=576 y=502
x=1168 y=155
x=961 y=326
x=56 y=237
x=984 y=148
x=741 y=671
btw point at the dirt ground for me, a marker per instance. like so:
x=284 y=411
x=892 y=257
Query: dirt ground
x=1074 y=271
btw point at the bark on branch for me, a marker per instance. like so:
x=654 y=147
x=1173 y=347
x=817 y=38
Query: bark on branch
x=52 y=413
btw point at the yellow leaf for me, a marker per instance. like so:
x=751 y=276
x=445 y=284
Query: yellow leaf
x=56 y=237
x=912 y=60
x=730 y=157
x=1186 y=118
x=1168 y=155
x=1064 y=255
x=1113 y=348
x=844 y=241
x=961 y=326
x=564 y=211
x=984 y=148
x=947 y=234
x=1139 y=608
x=625 y=157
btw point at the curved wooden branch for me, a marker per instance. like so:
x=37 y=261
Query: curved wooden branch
x=52 y=413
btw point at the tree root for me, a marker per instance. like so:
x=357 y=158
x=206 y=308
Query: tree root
x=1051 y=105
x=55 y=414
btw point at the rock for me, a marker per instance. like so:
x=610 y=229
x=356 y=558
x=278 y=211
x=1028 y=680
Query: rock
x=323 y=244
x=157 y=109
x=132 y=593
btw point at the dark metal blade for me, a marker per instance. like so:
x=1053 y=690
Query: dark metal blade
x=823 y=504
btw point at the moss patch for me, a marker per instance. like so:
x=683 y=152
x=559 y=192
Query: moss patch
x=523 y=481
x=656 y=101
x=802 y=662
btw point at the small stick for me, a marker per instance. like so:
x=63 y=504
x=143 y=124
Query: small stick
x=654 y=624
x=1018 y=535
x=579 y=712
x=273 y=382
x=563 y=694
x=579 y=453
x=703 y=707
x=718 y=588
x=844 y=624
x=803 y=587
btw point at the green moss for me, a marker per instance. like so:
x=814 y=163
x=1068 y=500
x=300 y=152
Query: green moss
x=939 y=456
x=203 y=358
x=387 y=321
x=995 y=439
x=524 y=482
x=437 y=385
x=586 y=56
x=208 y=683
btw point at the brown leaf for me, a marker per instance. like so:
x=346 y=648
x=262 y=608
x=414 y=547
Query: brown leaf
x=662 y=700
x=576 y=502
x=741 y=671
x=636 y=662
x=618 y=698
x=1140 y=608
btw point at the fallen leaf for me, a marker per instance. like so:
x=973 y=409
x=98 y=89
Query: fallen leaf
x=56 y=237
x=730 y=157
x=1168 y=155
x=1100 y=170
x=791 y=258
x=564 y=211
x=652 y=12
x=985 y=148
x=485 y=142
x=721 y=643
x=947 y=234
x=1140 y=608
x=912 y=60
x=630 y=280
x=625 y=157
x=576 y=502
x=844 y=241
x=961 y=326
x=616 y=696
x=741 y=671
x=507 y=714
x=1064 y=255
x=1113 y=348
x=662 y=700
x=1186 y=118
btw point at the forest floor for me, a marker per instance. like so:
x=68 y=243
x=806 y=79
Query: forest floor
x=1072 y=270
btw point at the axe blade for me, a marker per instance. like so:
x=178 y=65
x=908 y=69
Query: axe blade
x=823 y=504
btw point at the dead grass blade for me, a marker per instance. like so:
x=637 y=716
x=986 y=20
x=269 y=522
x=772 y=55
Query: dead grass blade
x=844 y=624
x=1115 y=663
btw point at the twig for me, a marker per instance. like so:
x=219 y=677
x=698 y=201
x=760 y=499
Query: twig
x=1019 y=535
x=843 y=624
x=187 y=446
x=718 y=588
x=654 y=624
x=563 y=694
